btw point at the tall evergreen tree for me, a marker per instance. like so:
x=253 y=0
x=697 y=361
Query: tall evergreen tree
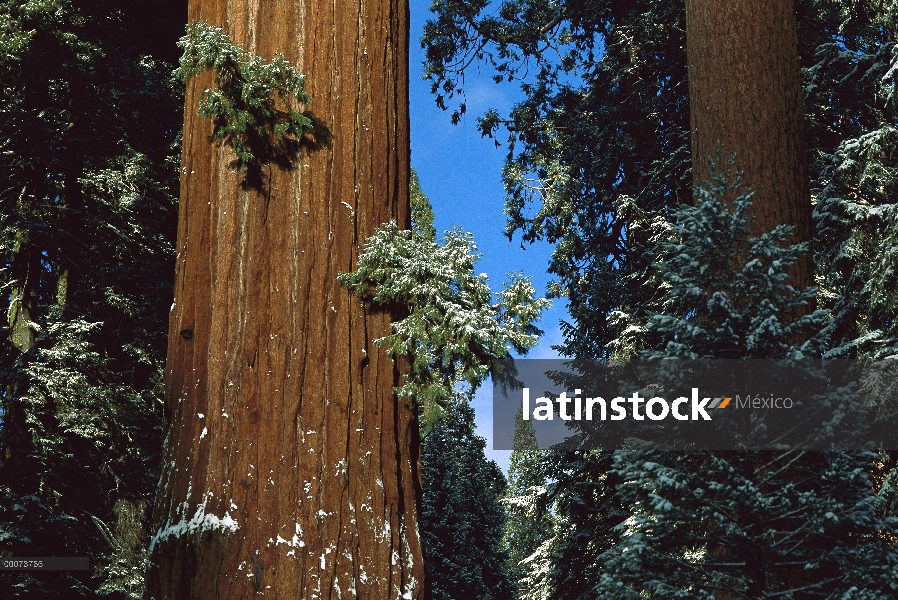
x=422 y=211
x=763 y=123
x=530 y=524
x=87 y=219
x=743 y=523
x=462 y=518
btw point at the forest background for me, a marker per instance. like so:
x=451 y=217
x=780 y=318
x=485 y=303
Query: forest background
x=89 y=141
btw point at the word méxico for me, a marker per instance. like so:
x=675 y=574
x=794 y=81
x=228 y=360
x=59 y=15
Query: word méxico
x=655 y=409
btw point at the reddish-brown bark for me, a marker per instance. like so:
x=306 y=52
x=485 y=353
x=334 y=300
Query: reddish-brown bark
x=290 y=469
x=745 y=92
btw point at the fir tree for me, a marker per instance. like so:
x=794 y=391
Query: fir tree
x=462 y=518
x=850 y=92
x=87 y=214
x=422 y=211
x=455 y=331
x=529 y=525
x=740 y=522
x=725 y=293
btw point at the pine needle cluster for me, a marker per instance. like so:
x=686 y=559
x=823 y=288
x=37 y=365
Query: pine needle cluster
x=454 y=330
x=252 y=104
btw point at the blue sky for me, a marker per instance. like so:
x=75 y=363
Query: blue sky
x=461 y=173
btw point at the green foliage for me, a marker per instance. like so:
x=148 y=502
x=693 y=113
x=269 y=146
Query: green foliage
x=422 y=212
x=588 y=515
x=795 y=524
x=252 y=103
x=852 y=120
x=453 y=331
x=88 y=211
x=725 y=294
x=598 y=153
x=599 y=146
x=530 y=525
x=694 y=525
x=462 y=519
x=598 y=162
x=604 y=116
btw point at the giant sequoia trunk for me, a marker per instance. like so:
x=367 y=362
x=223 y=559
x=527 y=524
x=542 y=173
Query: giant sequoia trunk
x=290 y=469
x=745 y=93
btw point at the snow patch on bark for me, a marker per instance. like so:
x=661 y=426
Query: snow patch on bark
x=410 y=589
x=296 y=542
x=198 y=523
